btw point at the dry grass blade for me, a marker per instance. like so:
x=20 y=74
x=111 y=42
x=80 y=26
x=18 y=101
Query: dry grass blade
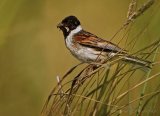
x=132 y=8
x=54 y=89
x=137 y=85
x=139 y=12
x=150 y=94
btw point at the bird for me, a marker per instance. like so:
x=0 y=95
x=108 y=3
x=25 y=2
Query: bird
x=89 y=48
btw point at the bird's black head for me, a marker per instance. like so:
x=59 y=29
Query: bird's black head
x=68 y=24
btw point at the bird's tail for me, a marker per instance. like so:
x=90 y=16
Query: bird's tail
x=138 y=61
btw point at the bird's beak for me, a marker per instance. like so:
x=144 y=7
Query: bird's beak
x=59 y=25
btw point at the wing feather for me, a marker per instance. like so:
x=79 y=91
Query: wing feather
x=87 y=39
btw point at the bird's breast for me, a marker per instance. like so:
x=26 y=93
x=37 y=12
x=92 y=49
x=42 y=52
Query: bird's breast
x=83 y=53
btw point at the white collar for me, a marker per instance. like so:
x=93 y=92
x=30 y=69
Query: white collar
x=76 y=30
x=69 y=38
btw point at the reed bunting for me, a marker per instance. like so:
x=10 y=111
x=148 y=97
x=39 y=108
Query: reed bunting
x=89 y=48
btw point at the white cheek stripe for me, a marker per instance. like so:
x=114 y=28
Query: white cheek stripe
x=69 y=40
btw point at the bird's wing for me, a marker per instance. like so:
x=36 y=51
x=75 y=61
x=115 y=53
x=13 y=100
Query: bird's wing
x=87 y=39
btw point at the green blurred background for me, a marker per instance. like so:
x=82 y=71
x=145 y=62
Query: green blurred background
x=32 y=48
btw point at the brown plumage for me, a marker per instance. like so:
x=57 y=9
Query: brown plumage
x=88 y=39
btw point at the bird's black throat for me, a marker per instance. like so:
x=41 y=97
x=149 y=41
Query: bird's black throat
x=65 y=32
